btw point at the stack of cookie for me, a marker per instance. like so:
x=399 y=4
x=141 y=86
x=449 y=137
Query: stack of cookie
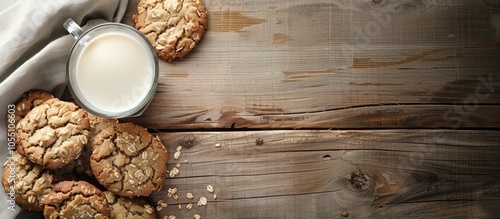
x=69 y=163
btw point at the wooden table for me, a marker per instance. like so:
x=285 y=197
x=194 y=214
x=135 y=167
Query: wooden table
x=335 y=109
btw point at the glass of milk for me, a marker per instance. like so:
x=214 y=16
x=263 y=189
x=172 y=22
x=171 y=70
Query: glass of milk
x=112 y=69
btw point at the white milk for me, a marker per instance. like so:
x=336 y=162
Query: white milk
x=114 y=72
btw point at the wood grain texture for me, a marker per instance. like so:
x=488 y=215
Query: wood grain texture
x=324 y=174
x=304 y=64
x=335 y=64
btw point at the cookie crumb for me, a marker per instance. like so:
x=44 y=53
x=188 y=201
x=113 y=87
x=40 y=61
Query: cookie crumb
x=173 y=172
x=171 y=192
x=177 y=155
x=210 y=188
x=162 y=203
x=149 y=209
x=202 y=201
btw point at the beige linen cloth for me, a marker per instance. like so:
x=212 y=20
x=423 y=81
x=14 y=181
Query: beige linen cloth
x=33 y=50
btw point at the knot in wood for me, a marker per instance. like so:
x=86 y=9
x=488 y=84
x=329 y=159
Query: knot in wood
x=259 y=141
x=188 y=141
x=359 y=181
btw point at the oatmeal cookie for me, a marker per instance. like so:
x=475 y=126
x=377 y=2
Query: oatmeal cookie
x=128 y=160
x=173 y=27
x=27 y=182
x=29 y=100
x=76 y=199
x=129 y=207
x=97 y=124
x=53 y=133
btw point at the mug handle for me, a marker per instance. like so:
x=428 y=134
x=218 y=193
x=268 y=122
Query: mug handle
x=72 y=27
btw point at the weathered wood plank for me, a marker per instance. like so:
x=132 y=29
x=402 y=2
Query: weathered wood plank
x=324 y=174
x=260 y=61
x=361 y=117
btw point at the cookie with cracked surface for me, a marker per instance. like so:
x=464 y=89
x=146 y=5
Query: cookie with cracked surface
x=121 y=207
x=29 y=100
x=97 y=124
x=127 y=160
x=173 y=27
x=53 y=134
x=76 y=199
x=29 y=183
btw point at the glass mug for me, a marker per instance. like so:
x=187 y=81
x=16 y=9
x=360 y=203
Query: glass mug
x=112 y=69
